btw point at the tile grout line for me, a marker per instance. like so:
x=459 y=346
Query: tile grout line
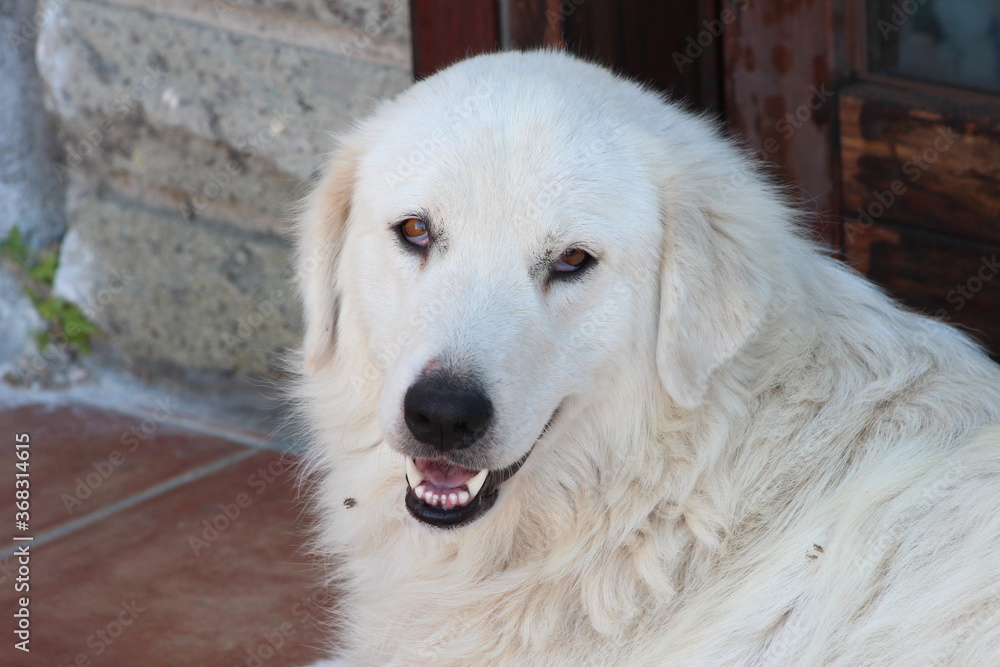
x=130 y=501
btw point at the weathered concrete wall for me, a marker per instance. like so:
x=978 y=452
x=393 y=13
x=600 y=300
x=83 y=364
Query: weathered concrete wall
x=30 y=199
x=188 y=129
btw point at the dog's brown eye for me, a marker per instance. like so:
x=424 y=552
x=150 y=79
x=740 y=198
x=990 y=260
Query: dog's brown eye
x=415 y=231
x=571 y=259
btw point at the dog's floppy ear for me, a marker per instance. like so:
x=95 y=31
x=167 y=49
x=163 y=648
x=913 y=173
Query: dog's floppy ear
x=713 y=298
x=320 y=233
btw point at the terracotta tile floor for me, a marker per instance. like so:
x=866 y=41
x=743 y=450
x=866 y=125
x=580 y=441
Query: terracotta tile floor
x=154 y=545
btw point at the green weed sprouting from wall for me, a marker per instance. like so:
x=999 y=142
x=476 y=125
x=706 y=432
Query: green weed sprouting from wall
x=64 y=320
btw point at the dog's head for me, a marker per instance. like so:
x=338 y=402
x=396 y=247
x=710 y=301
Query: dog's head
x=501 y=238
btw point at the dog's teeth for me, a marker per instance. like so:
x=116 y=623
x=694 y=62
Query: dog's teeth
x=447 y=500
x=476 y=483
x=413 y=475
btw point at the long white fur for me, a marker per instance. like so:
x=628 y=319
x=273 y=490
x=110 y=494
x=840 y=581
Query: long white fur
x=759 y=458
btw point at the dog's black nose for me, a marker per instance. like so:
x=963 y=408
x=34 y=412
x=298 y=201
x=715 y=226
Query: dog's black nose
x=446 y=413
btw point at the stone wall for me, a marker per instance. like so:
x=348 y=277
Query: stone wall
x=28 y=199
x=188 y=129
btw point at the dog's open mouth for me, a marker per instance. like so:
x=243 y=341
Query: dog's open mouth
x=446 y=495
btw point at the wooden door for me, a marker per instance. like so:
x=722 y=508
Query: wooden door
x=673 y=45
x=919 y=149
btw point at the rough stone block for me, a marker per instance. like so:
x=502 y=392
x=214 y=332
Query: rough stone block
x=216 y=116
x=199 y=295
x=191 y=125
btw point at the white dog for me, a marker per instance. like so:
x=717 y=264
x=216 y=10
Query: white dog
x=581 y=393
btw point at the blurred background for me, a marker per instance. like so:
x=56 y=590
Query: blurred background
x=153 y=151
